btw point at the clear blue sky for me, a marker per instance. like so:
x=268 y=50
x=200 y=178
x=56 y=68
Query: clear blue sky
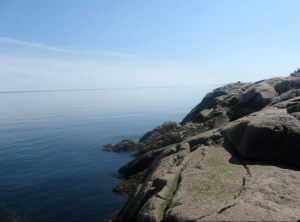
x=71 y=44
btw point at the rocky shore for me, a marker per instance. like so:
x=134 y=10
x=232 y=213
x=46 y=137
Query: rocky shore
x=235 y=157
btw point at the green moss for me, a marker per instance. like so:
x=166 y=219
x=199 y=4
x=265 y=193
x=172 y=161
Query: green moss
x=130 y=184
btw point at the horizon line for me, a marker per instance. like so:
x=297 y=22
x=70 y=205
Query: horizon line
x=69 y=90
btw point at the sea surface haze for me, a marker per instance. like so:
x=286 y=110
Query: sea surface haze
x=52 y=167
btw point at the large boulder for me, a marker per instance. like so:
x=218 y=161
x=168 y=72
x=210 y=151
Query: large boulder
x=255 y=99
x=283 y=86
x=271 y=135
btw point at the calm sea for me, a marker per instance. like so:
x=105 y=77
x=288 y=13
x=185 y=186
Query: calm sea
x=52 y=167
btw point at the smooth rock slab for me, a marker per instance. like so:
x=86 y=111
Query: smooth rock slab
x=272 y=193
x=206 y=186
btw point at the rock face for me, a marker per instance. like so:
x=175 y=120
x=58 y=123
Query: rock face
x=236 y=100
x=245 y=168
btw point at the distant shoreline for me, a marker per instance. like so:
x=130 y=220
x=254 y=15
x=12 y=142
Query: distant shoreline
x=70 y=90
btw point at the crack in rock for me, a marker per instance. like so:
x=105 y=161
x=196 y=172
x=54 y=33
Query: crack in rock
x=243 y=188
x=236 y=154
x=226 y=208
x=246 y=168
x=199 y=218
x=177 y=185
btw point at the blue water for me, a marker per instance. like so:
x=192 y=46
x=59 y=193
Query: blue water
x=52 y=167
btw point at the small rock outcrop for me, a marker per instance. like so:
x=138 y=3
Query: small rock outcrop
x=166 y=134
x=242 y=162
x=123 y=146
x=164 y=128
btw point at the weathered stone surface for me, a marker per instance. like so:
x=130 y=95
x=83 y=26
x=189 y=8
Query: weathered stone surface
x=275 y=188
x=271 y=193
x=207 y=184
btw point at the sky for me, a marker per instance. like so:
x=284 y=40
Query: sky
x=95 y=44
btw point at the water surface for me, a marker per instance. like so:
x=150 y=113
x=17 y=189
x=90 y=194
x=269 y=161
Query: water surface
x=52 y=165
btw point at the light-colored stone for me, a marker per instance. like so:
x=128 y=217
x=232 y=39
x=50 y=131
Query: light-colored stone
x=206 y=186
